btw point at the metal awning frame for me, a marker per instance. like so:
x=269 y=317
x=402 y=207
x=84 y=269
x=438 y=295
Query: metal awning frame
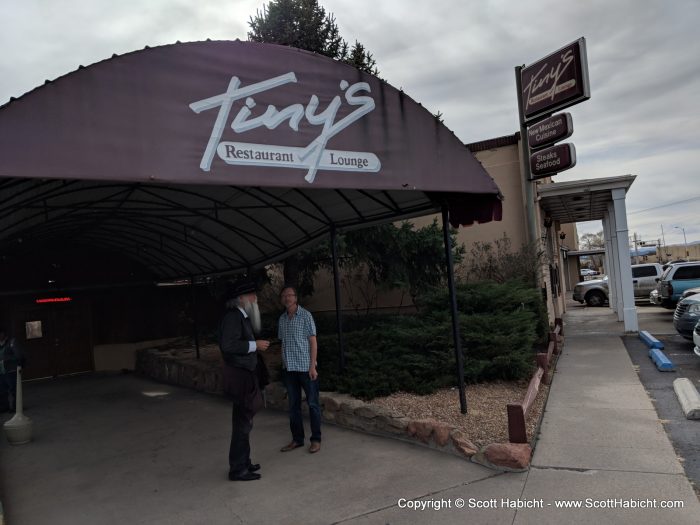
x=184 y=231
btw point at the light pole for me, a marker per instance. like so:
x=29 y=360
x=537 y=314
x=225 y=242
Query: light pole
x=685 y=242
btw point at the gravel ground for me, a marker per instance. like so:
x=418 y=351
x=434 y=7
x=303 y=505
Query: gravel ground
x=486 y=420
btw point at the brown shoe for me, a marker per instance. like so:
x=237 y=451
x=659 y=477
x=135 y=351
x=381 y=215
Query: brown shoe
x=315 y=447
x=291 y=446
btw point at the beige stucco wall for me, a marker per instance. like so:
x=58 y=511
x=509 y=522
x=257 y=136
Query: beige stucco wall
x=123 y=356
x=571 y=239
x=676 y=251
x=503 y=164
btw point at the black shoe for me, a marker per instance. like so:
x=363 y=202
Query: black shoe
x=246 y=476
x=253 y=467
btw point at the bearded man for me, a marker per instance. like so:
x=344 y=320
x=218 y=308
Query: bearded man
x=239 y=349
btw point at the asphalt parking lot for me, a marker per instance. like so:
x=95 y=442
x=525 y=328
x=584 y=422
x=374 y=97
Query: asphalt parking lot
x=683 y=433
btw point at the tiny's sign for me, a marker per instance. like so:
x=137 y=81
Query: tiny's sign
x=311 y=158
x=552 y=160
x=555 y=82
x=550 y=130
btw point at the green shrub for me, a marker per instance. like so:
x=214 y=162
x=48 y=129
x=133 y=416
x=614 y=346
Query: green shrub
x=499 y=324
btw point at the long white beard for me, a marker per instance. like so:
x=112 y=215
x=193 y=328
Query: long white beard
x=252 y=310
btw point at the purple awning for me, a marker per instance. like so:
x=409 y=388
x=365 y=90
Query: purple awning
x=294 y=135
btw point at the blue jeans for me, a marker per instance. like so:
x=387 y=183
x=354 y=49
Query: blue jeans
x=295 y=383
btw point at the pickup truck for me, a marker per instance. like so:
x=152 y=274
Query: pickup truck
x=595 y=293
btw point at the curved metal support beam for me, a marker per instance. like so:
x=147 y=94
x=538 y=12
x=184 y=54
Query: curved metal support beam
x=137 y=256
x=349 y=203
x=227 y=207
x=70 y=228
x=283 y=214
x=378 y=201
x=328 y=220
x=229 y=227
x=121 y=234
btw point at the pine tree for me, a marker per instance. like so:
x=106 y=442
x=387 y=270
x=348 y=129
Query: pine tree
x=306 y=25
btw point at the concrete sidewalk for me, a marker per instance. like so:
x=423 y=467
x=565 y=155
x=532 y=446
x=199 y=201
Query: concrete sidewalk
x=120 y=449
x=601 y=437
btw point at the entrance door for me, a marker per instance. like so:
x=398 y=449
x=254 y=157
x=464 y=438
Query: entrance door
x=56 y=338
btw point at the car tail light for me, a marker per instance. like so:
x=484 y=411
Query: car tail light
x=670 y=289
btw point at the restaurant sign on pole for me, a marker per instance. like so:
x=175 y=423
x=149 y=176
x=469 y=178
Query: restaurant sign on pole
x=555 y=82
x=548 y=161
x=551 y=84
x=550 y=130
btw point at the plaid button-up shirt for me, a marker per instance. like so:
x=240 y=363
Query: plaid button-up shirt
x=294 y=334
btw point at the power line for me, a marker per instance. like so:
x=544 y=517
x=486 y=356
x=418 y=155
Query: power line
x=665 y=205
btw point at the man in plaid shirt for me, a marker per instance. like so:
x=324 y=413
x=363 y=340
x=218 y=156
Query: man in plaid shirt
x=297 y=332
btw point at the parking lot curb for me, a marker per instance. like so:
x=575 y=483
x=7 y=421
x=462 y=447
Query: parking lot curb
x=650 y=340
x=688 y=397
x=662 y=362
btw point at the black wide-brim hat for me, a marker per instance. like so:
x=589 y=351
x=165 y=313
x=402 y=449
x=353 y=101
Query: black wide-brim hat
x=239 y=287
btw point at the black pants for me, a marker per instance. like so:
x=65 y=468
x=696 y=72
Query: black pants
x=239 y=450
x=8 y=391
x=242 y=387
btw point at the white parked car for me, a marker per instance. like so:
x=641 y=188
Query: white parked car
x=595 y=292
x=585 y=272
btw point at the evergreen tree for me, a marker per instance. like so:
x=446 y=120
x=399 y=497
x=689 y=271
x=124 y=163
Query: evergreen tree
x=306 y=25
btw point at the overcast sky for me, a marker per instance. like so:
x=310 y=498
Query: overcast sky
x=456 y=57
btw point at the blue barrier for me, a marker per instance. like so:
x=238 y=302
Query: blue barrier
x=662 y=362
x=650 y=340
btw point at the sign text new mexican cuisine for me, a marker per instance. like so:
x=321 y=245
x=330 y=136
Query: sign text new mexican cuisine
x=550 y=130
x=549 y=161
x=311 y=158
x=555 y=82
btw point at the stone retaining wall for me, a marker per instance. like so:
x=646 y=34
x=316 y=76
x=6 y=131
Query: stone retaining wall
x=177 y=366
x=181 y=367
x=348 y=412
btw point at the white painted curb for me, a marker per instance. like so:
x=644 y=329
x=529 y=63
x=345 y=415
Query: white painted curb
x=688 y=397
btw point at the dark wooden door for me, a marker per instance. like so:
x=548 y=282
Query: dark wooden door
x=56 y=338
